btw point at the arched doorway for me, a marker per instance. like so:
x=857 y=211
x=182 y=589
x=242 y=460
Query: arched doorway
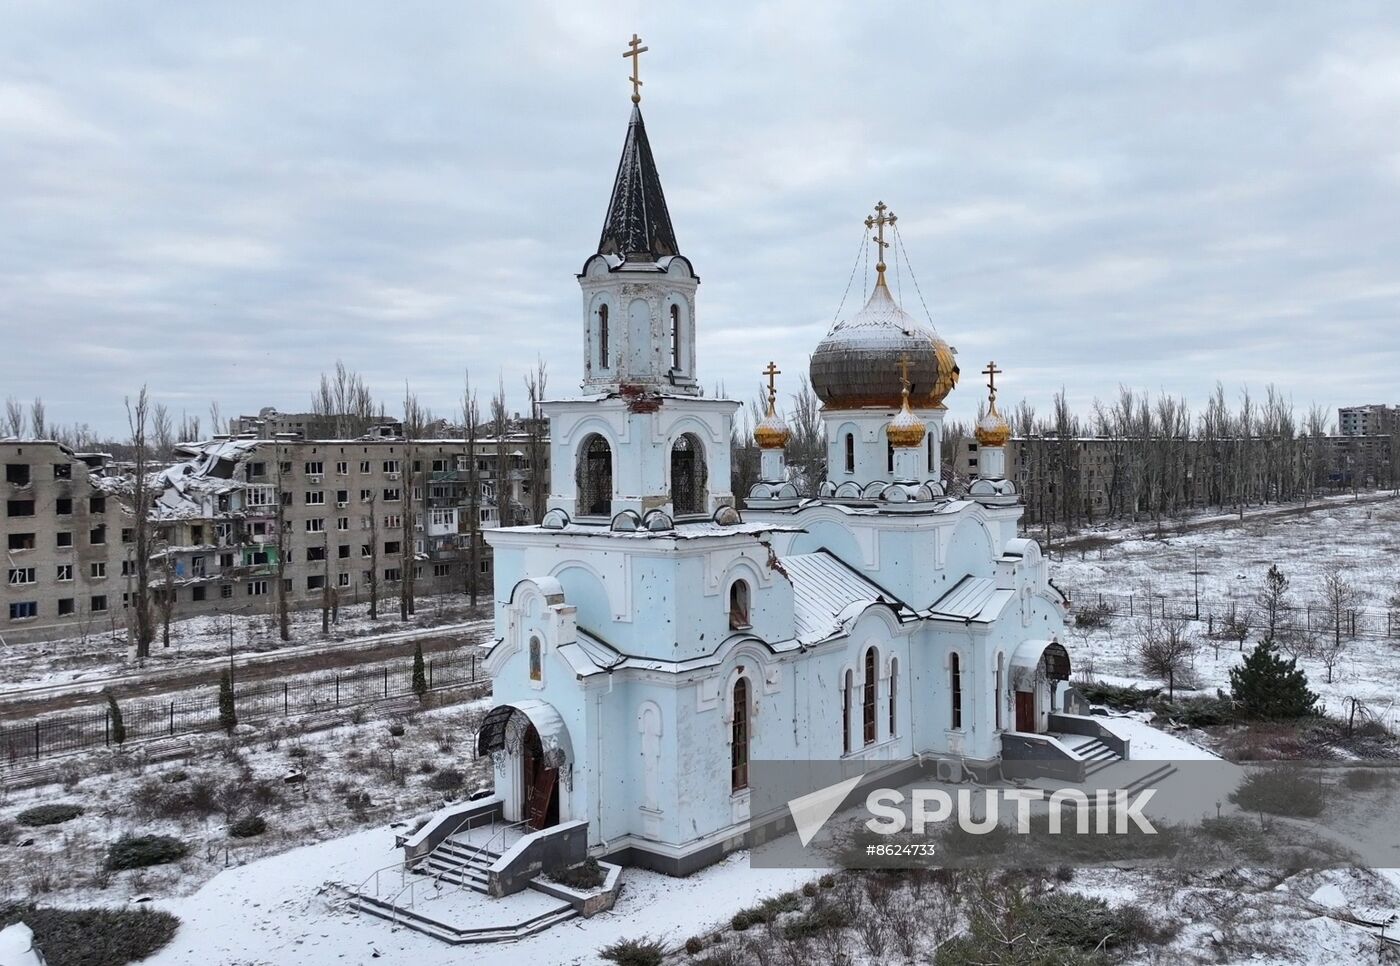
x=529 y=745
x=594 y=477
x=687 y=476
x=1037 y=668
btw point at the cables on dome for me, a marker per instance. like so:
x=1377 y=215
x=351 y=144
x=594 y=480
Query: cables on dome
x=864 y=249
x=900 y=240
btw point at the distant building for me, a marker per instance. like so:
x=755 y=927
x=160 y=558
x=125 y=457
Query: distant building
x=1376 y=419
x=270 y=423
x=63 y=533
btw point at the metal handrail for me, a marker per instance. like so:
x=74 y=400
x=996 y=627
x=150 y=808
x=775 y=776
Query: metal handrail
x=502 y=832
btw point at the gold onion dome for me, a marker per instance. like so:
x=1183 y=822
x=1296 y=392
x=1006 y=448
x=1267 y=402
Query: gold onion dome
x=771 y=432
x=993 y=429
x=855 y=365
x=906 y=429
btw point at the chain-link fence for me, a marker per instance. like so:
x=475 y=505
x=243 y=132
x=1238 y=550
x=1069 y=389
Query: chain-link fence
x=194 y=711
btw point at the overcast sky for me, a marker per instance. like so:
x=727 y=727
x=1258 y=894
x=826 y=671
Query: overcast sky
x=221 y=199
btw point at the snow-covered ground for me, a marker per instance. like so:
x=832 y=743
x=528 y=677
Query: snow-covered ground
x=104 y=652
x=1363 y=538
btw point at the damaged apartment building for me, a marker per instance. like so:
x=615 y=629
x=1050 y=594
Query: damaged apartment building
x=352 y=514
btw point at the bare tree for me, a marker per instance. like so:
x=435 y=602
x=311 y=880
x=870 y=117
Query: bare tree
x=138 y=419
x=471 y=418
x=326 y=582
x=165 y=598
x=37 y=421
x=413 y=420
x=1166 y=649
x=1339 y=601
x=284 y=625
x=373 y=555
x=347 y=400
x=164 y=431
x=14 y=417
x=216 y=417
x=807 y=447
x=500 y=426
x=537 y=440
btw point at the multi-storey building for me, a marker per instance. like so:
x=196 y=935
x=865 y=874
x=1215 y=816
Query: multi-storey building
x=334 y=520
x=62 y=533
x=269 y=423
x=1374 y=420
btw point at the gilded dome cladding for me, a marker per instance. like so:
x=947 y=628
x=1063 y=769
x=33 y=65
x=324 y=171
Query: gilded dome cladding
x=855 y=366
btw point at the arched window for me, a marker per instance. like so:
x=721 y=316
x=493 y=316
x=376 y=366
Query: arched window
x=889 y=456
x=956 y=666
x=932 y=461
x=595 y=481
x=675 y=336
x=687 y=476
x=850 y=452
x=1001 y=694
x=739 y=738
x=847 y=685
x=867 y=704
x=739 y=605
x=894 y=689
x=536 y=659
x=603 y=336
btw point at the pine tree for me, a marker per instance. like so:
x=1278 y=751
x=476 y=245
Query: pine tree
x=1267 y=685
x=420 y=675
x=228 y=713
x=115 y=714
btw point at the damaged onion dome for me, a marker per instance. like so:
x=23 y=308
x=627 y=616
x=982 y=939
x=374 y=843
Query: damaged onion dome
x=857 y=364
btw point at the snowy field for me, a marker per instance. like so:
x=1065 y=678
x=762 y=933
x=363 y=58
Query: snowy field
x=1362 y=538
x=98 y=656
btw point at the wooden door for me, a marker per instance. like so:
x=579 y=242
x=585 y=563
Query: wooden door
x=544 y=811
x=1025 y=711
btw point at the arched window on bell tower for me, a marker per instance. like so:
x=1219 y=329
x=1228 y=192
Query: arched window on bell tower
x=675 y=337
x=603 y=336
x=850 y=452
x=594 y=477
x=688 y=476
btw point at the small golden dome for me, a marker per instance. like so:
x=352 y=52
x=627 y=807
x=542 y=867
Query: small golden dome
x=771 y=432
x=993 y=430
x=906 y=429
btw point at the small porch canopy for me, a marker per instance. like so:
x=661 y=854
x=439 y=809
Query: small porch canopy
x=1035 y=661
x=504 y=728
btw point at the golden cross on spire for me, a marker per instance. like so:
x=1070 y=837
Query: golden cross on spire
x=991 y=372
x=635 y=52
x=771 y=372
x=878 y=221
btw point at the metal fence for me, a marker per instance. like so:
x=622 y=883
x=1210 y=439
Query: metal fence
x=1359 y=623
x=199 y=710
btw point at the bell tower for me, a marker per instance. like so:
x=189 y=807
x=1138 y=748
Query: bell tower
x=643 y=439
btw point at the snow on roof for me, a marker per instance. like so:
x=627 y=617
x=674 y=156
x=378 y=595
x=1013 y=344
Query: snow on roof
x=827 y=593
x=972 y=599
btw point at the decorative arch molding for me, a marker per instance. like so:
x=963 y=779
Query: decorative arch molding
x=886 y=615
x=726 y=693
x=618 y=589
x=570 y=433
x=712 y=432
x=722 y=569
x=866 y=539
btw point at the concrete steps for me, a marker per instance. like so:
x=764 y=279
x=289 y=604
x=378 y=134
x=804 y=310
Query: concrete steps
x=460 y=863
x=459 y=935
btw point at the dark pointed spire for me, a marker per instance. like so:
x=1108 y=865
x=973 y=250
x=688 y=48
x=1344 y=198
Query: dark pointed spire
x=638 y=227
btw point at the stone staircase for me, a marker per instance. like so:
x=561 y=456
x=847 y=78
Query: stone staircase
x=460 y=862
x=451 y=881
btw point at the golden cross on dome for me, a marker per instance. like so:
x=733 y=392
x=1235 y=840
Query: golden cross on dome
x=635 y=52
x=878 y=221
x=771 y=372
x=904 y=365
x=991 y=372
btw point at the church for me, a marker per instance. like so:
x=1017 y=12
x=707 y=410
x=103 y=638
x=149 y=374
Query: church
x=656 y=633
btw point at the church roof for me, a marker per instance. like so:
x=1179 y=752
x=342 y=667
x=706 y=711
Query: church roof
x=638 y=226
x=826 y=593
x=972 y=599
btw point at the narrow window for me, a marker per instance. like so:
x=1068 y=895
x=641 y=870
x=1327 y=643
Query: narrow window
x=675 y=336
x=894 y=688
x=957 y=691
x=932 y=464
x=536 y=660
x=850 y=452
x=889 y=457
x=594 y=477
x=867 y=710
x=1000 y=695
x=739 y=750
x=846 y=713
x=603 y=336
x=739 y=605
x=688 y=476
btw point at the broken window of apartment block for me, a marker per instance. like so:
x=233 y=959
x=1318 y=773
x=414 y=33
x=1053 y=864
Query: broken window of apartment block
x=63 y=471
x=21 y=541
x=63 y=506
x=17 y=473
x=23 y=610
x=97 y=504
x=19 y=508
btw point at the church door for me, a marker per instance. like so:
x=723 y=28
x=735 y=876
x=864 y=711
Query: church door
x=1025 y=711
x=539 y=782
